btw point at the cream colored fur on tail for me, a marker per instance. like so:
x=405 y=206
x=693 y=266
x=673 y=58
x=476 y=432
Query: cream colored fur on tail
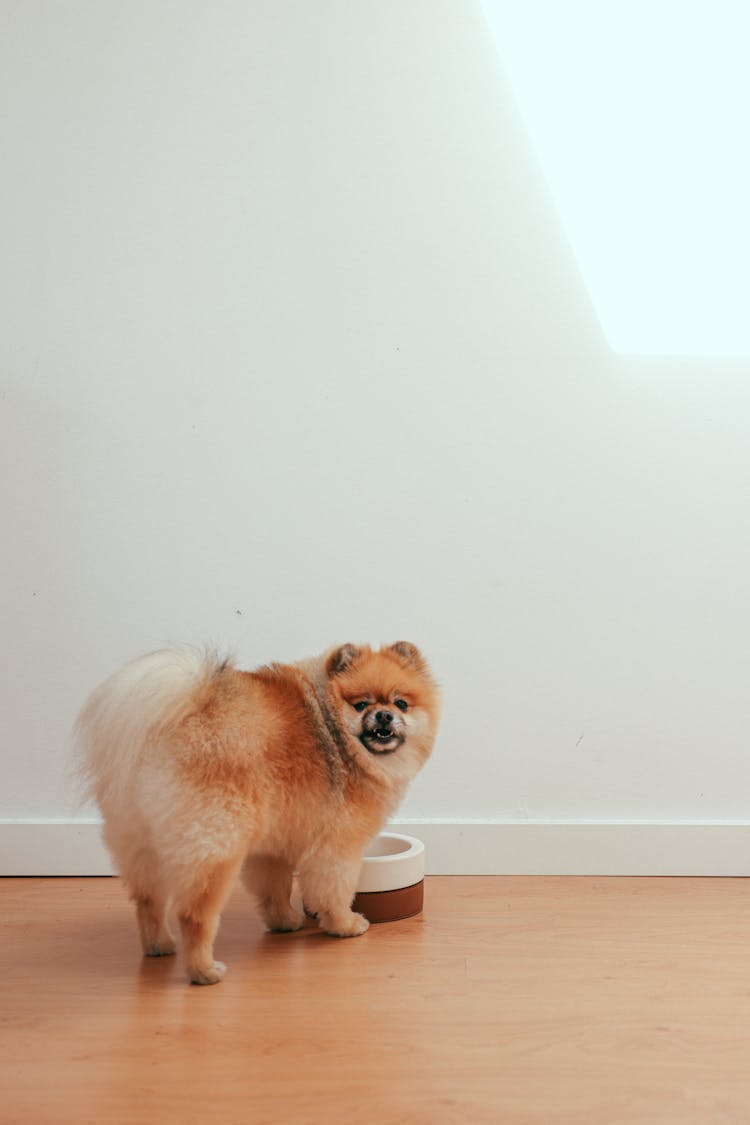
x=125 y=713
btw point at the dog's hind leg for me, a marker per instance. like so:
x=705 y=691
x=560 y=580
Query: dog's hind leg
x=269 y=881
x=199 y=912
x=140 y=869
x=156 y=938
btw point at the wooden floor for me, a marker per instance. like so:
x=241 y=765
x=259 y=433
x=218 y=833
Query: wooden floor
x=509 y=1000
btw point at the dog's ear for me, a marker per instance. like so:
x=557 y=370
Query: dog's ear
x=408 y=654
x=341 y=659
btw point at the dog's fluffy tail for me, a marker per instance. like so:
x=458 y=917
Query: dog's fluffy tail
x=126 y=714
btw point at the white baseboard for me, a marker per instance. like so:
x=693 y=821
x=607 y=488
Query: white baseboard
x=452 y=847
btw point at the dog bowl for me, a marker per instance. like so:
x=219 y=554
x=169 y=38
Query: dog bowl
x=391 y=879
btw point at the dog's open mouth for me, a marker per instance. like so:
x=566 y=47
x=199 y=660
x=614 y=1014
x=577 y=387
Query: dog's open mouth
x=381 y=741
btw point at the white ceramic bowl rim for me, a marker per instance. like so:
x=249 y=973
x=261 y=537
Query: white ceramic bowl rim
x=401 y=867
x=413 y=847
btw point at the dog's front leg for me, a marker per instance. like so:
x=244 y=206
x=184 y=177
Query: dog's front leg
x=328 y=884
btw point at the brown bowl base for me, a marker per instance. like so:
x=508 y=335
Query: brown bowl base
x=390 y=906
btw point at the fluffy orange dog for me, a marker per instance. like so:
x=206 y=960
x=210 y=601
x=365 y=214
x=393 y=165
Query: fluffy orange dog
x=201 y=770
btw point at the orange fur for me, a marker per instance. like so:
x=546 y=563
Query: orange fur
x=202 y=770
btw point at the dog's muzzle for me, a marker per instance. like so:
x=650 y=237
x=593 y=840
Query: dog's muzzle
x=382 y=731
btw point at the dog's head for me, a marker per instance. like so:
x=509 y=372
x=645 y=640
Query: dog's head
x=387 y=699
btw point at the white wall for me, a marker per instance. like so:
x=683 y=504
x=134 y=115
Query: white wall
x=294 y=351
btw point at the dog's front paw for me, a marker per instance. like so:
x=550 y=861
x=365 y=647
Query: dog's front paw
x=208 y=974
x=344 y=925
x=285 y=922
x=160 y=948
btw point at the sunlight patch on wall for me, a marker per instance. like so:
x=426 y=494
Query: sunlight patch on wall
x=638 y=114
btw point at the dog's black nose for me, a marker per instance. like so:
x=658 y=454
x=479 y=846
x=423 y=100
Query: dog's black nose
x=385 y=718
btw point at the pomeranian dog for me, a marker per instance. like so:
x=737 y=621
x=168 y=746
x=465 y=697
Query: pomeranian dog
x=201 y=771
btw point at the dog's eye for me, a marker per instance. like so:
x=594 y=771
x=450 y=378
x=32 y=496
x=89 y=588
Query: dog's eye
x=401 y=704
x=360 y=706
